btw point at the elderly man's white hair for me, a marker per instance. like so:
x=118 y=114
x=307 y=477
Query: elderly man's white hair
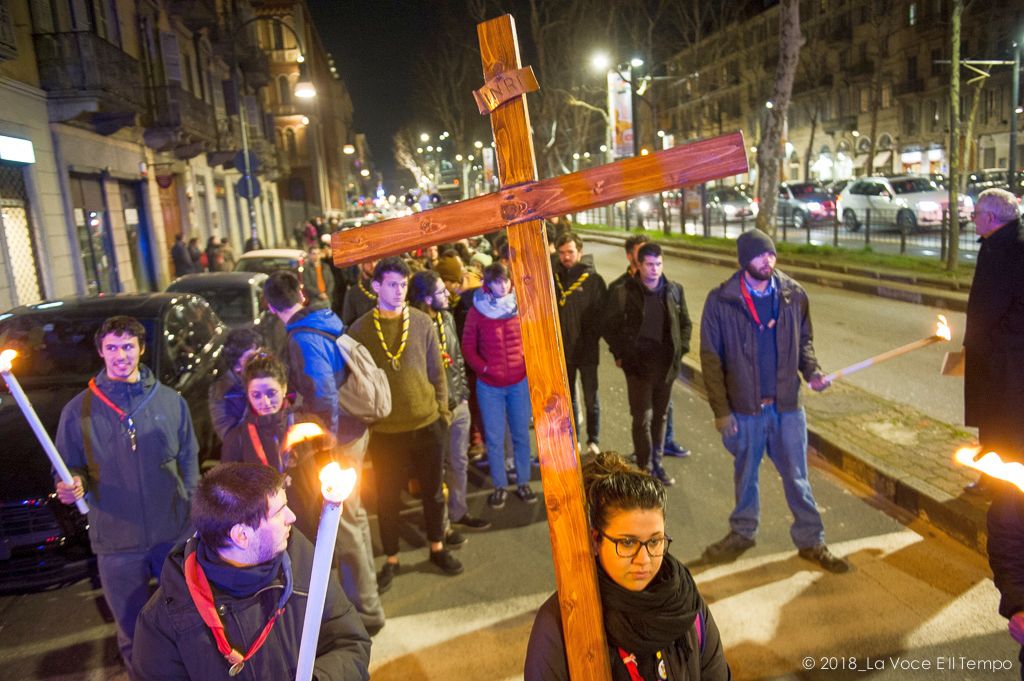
x=1000 y=203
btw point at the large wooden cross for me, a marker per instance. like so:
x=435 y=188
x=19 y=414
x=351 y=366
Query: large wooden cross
x=521 y=205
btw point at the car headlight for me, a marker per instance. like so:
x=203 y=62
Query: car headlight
x=729 y=209
x=928 y=206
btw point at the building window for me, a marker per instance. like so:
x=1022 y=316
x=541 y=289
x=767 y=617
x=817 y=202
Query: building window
x=865 y=100
x=284 y=90
x=886 y=98
x=912 y=14
x=291 y=147
x=912 y=68
x=277 y=31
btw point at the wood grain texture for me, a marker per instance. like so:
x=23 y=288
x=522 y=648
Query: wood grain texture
x=504 y=87
x=687 y=164
x=572 y=552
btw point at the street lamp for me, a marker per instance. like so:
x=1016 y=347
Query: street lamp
x=424 y=137
x=304 y=89
x=478 y=144
x=348 y=149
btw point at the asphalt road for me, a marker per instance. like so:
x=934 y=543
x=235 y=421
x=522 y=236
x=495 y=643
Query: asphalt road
x=913 y=598
x=848 y=327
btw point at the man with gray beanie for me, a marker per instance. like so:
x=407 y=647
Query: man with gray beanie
x=755 y=396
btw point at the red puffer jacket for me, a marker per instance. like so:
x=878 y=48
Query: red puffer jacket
x=494 y=349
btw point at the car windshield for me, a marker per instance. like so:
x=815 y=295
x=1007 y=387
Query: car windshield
x=807 y=190
x=266 y=265
x=730 y=194
x=232 y=305
x=912 y=185
x=58 y=349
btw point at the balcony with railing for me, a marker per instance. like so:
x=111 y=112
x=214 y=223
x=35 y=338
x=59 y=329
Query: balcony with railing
x=86 y=76
x=909 y=87
x=175 y=116
x=195 y=14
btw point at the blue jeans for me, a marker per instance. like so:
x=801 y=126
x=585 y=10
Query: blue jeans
x=669 y=429
x=785 y=437
x=501 y=407
x=125 y=578
x=457 y=461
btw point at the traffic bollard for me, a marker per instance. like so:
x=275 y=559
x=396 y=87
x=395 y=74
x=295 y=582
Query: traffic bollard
x=867 y=228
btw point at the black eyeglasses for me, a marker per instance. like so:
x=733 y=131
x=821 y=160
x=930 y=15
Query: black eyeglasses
x=629 y=547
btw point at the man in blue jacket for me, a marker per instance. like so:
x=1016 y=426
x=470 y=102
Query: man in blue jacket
x=132 y=452
x=316 y=370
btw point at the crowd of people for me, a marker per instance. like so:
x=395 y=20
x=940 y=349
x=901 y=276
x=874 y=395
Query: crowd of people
x=444 y=326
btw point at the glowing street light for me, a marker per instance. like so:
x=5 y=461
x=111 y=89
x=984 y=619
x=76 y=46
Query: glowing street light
x=424 y=137
x=364 y=172
x=478 y=144
x=601 y=61
x=348 y=149
x=636 y=62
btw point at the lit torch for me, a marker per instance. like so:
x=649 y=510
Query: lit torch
x=942 y=334
x=336 y=484
x=991 y=464
x=6 y=370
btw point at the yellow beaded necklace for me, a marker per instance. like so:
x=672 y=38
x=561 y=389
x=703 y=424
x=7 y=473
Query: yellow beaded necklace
x=369 y=294
x=563 y=293
x=445 y=357
x=393 y=358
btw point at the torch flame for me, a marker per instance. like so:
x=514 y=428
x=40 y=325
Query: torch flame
x=300 y=432
x=336 y=483
x=992 y=464
x=6 y=357
x=942 y=329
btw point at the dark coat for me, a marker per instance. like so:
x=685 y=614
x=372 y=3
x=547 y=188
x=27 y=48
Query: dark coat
x=624 y=319
x=137 y=499
x=182 y=260
x=546 y=661
x=728 y=348
x=1005 y=548
x=309 y=283
x=458 y=386
x=994 y=343
x=359 y=299
x=228 y=402
x=173 y=644
x=581 y=314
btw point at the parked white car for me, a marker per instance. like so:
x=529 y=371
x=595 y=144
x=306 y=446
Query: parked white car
x=907 y=202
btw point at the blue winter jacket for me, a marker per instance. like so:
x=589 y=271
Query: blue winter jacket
x=137 y=499
x=316 y=369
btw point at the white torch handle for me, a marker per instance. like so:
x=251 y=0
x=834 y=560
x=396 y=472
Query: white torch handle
x=44 y=438
x=326 y=536
x=878 y=359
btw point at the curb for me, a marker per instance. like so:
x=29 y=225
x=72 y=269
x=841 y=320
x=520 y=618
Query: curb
x=962 y=519
x=905 y=288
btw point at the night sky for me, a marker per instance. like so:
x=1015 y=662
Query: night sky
x=375 y=45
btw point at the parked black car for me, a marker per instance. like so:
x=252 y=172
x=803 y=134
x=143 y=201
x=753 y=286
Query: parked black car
x=44 y=543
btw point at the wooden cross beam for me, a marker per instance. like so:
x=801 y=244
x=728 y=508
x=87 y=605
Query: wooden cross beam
x=526 y=200
x=521 y=205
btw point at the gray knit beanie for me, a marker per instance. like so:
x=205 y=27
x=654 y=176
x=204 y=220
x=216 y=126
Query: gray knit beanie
x=751 y=244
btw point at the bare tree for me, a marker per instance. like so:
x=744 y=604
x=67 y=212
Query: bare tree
x=953 y=254
x=769 y=149
x=404 y=142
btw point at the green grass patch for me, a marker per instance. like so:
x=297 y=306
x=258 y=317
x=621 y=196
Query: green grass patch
x=824 y=255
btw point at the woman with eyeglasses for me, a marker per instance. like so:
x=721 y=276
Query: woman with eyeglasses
x=656 y=623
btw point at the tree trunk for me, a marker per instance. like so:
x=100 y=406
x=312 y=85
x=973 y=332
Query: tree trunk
x=769 y=150
x=810 y=144
x=969 y=145
x=876 y=92
x=953 y=254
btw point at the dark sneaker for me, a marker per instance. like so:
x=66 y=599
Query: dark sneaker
x=728 y=548
x=526 y=493
x=386 y=576
x=661 y=474
x=471 y=522
x=673 y=448
x=448 y=563
x=476 y=451
x=821 y=555
x=497 y=498
x=454 y=538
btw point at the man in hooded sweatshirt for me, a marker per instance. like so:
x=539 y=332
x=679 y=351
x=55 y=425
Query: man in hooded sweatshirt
x=648 y=332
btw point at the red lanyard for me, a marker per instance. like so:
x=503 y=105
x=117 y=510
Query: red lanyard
x=629 y=660
x=202 y=596
x=254 y=437
x=750 y=306
x=124 y=417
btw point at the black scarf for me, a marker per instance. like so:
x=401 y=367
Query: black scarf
x=643 y=622
x=234 y=581
x=652 y=327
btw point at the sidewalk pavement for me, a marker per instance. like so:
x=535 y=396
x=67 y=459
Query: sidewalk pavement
x=901 y=454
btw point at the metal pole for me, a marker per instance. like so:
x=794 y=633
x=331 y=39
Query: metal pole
x=1014 y=102
x=246 y=171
